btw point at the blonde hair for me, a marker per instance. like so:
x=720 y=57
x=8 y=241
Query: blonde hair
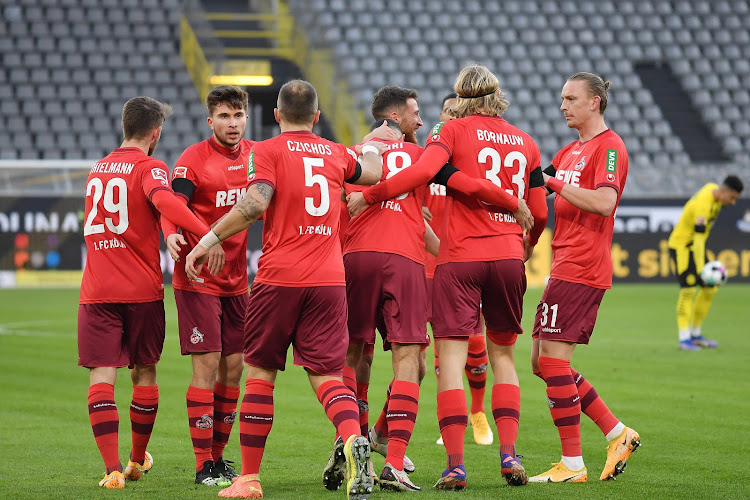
x=596 y=87
x=479 y=91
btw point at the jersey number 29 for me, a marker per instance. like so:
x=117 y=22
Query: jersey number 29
x=96 y=188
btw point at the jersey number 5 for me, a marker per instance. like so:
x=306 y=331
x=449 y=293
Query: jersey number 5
x=120 y=207
x=496 y=163
x=312 y=179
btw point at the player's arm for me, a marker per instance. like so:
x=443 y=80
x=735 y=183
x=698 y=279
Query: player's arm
x=487 y=192
x=383 y=132
x=599 y=201
x=431 y=241
x=369 y=165
x=177 y=212
x=406 y=180
x=242 y=215
x=702 y=211
x=183 y=189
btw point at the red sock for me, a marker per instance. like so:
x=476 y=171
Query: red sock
x=341 y=408
x=256 y=419
x=452 y=419
x=143 y=409
x=476 y=372
x=592 y=405
x=506 y=407
x=564 y=403
x=225 y=412
x=364 y=407
x=402 y=414
x=350 y=381
x=200 y=410
x=381 y=426
x=105 y=423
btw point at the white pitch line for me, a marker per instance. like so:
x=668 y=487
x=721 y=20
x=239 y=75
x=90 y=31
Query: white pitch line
x=13 y=329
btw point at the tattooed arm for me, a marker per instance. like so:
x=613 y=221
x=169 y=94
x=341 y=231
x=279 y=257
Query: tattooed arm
x=242 y=215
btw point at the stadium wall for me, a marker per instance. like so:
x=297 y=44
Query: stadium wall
x=42 y=243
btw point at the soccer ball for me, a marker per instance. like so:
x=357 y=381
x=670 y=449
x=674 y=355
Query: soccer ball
x=714 y=273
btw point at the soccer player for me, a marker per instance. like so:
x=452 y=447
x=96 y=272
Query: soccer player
x=299 y=294
x=687 y=248
x=211 y=177
x=481 y=258
x=400 y=105
x=588 y=176
x=385 y=285
x=476 y=364
x=121 y=313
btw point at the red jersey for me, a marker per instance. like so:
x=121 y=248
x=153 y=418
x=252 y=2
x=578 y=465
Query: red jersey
x=435 y=202
x=219 y=180
x=301 y=246
x=488 y=148
x=396 y=225
x=121 y=229
x=582 y=241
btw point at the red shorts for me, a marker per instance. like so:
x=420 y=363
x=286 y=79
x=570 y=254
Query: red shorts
x=460 y=288
x=209 y=323
x=567 y=312
x=388 y=292
x=480 y=327
x=311 y=319
x=120 y=334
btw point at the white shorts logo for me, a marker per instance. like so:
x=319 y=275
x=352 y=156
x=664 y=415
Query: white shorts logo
x=196 y=337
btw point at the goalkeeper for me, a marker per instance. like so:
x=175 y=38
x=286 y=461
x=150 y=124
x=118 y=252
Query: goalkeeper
x=687 y=249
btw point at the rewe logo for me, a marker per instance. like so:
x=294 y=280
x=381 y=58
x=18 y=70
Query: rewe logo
x=196 y=337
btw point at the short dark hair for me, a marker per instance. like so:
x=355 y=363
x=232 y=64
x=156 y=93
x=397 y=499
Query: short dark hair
x=141 y=115
x=298 y=102
x=391 y=123
x=389 y=98
x=230 y=95
x=734 y=183
x=452 y=95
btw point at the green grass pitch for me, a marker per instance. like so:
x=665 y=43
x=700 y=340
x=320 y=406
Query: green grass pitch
x=691 y=409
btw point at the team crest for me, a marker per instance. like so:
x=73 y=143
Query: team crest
x=179 y=173
x=581 y=164
x=160 y=175
x=196 y=336
x=229 y=419
x=205 y=422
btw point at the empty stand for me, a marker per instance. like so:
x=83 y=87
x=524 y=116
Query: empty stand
x=68 y=67
x=534 y=45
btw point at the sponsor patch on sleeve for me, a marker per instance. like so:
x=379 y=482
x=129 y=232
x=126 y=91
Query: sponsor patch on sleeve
x=435 y=132
x=611 y=177
x=179 y=173
x=612 y=160
x=251 y=166
x=160 y=175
